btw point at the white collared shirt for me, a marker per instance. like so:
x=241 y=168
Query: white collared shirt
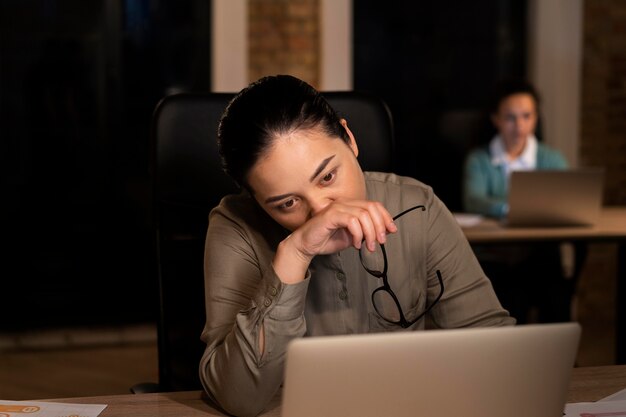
x=527 y=161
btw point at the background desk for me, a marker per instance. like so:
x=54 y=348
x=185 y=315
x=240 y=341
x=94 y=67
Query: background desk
x=610 y=227
x=587 y=384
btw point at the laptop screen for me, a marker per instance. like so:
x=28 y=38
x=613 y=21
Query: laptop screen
x=555 y=197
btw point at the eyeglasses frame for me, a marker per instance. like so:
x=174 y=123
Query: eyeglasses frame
x=403 y=322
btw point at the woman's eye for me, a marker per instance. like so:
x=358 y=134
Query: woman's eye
x=287 y=204
x=328 y=177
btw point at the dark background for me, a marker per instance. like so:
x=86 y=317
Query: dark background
x=434 y=63
x=79 y=80
x=78 y=83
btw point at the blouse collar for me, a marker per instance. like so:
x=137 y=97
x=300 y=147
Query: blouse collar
x=527 y=160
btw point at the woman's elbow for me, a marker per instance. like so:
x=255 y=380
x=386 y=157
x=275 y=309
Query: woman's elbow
x=231 y=399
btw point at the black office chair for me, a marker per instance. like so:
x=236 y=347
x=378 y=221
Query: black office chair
x=371 y=122
x=188 y=183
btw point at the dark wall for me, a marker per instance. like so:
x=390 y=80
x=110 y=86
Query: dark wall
x=434 y=63
x=78 y=83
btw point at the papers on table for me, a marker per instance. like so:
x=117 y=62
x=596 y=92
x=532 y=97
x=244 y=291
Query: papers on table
x=597 y=409
x=619 y=395
x=614 y=405
x=48 y=409
x=467 y=219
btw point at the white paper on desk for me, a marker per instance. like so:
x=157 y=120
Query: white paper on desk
x=596 y=409
x=619 y=395
x=48 y=409
x=467 y=219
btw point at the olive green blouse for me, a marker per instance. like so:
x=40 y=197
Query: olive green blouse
x=243 y=293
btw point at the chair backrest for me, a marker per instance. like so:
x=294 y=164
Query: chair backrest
x=371 y=122
x=188 y=183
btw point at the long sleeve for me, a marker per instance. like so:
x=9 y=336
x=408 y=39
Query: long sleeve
x=244 y=297
x=548 y=158
x=484 y=188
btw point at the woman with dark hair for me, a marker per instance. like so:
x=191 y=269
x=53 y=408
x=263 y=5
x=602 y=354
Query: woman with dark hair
x=532 y=277
x=315 y=246
x=514 y=110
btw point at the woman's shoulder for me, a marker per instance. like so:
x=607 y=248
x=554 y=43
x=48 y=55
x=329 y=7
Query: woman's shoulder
x=240 y=222
x=241 y=209
x=238 y=204
x=390 y=179
x=479 y=153
x=548 y=157
x=547 y=149
x=391 y=187
x=398 y=193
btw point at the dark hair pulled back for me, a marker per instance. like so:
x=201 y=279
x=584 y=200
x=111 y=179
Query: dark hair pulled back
x=271 y=106
x=508 y=87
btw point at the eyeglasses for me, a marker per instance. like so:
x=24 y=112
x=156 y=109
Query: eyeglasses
x=384 y=295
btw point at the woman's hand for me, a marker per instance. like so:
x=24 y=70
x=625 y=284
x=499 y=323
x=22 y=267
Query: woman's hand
x=341 y=224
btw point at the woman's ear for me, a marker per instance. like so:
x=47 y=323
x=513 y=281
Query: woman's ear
x=352 y=144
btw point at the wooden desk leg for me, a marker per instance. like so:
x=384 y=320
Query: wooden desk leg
x=620 y=316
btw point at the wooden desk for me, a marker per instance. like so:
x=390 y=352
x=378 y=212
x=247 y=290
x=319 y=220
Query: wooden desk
x=592 y=383
x=587 y=384
x=611 y=227
x=174 y=404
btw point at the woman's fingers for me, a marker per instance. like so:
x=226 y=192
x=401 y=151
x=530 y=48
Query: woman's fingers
x=375 y=222
x=365 y=226
x=366 y=221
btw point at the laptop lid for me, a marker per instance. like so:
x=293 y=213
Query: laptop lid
x=555 y=197
x=515 y=371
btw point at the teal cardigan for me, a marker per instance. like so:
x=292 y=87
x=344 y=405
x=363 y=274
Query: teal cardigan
x=485 y=187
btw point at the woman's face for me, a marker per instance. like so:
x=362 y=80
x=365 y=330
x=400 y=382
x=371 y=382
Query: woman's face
x=304 y=171
x=516 y=120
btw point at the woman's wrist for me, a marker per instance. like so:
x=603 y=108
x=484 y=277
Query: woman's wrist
x=290 y=264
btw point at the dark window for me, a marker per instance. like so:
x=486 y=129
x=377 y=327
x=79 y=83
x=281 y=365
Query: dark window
x=78 y=83
x=434 y=62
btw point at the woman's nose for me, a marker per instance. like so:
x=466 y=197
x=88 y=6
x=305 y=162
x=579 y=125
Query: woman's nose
x=319 y=204
x=519 y=126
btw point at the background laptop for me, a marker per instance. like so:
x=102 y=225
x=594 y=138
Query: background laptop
x=514 y=371
x=555 y=197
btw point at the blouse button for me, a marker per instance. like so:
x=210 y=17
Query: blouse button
x=273 y=291
x=340 y=276
x=343 y=295
x=267 y=302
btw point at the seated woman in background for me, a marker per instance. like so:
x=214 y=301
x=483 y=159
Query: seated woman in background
x=290 y=256
x=514 y=113
x=537 y=275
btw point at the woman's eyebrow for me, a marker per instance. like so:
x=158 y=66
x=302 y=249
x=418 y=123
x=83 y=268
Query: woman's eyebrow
x=276 y=198
x=320 y=168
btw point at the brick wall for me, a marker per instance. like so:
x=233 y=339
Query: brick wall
x=283 y=38
x=603 y=112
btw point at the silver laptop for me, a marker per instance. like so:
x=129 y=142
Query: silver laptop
x=570 y=197
x=515 y=371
